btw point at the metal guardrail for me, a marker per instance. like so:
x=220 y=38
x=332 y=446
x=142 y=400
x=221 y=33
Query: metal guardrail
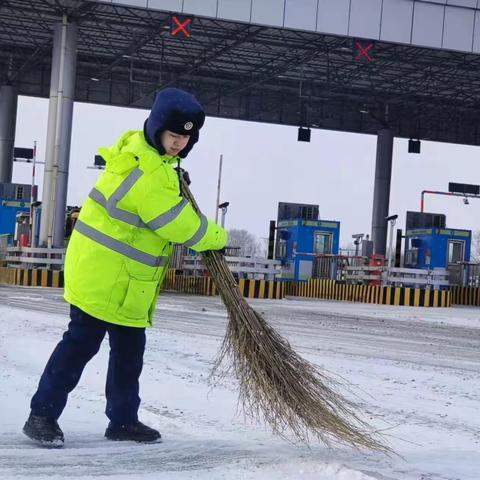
x=404 y=277
x=332 y=267
x=28 y=257
x=362 y=273
x=243 y=267
x=465 y=274
x=400 y=277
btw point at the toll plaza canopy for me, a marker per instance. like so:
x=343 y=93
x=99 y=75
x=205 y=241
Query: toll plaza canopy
x=349 y=65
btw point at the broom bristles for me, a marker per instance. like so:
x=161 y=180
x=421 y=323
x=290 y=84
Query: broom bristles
x=291 y=394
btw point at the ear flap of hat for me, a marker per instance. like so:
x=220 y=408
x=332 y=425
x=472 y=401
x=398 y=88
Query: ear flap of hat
x=153 y=142
x=191 y=142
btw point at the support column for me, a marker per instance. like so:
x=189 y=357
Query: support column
x=8 y=119
x=57 y=155
x=381 y=192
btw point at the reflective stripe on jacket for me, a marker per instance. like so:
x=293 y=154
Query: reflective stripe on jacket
x=119 y=250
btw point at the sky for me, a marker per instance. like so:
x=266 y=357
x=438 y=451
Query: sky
x=264 y=164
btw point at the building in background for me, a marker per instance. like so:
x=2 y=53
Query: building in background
x=302 y=238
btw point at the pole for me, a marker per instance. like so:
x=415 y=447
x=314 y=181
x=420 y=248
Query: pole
x=450 y=194
x=32 y=192
x=224 y=211
x=68 y=94
x=381 y=190
x=271 y=240
x=8 y=117
x=58 y=131
x=218 y=187
x=398 y=249
x=60 y=111
x=390 y=246
x=33 y=243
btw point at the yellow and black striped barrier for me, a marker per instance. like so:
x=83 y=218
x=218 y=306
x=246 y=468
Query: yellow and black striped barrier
x=332 y=290
x=465 y=296
x=206 y=286
x=31 y=277
x=186 y=284
x=39 y=278
x=320 y=289
x=173 y=282
x=262 y=289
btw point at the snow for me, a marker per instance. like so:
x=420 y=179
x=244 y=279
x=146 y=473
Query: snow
x=415 y=373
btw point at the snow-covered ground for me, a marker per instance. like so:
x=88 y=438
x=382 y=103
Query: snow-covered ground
x=416 y=371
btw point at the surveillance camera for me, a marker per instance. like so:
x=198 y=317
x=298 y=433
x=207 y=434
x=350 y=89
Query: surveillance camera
x=465 y=201
x=391 y=217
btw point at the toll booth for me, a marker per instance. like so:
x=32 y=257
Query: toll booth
x=437 y=247
x=300 y=242
x=15 y=199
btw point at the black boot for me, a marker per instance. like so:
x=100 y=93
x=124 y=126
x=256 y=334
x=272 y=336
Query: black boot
x=137 y=432
x=44 y=430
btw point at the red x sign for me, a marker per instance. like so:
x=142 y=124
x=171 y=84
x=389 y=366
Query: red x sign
x=363 y=51
x=180 y=26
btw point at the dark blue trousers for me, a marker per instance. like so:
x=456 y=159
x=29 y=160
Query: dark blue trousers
x=79 y=344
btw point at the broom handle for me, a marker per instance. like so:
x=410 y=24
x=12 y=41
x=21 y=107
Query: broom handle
x=212 y=258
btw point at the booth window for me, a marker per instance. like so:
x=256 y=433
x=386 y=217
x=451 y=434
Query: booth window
x=307 y=213
x=455 y=251
x=322 y=243
x=281 y=248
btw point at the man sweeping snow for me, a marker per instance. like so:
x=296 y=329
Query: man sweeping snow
x=115 y=264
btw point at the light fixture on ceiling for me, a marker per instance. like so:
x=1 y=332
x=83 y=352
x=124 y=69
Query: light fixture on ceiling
x=304 y=134
x=413 y=146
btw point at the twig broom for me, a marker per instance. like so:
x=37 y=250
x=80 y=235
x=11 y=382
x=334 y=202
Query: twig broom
x=291 y=394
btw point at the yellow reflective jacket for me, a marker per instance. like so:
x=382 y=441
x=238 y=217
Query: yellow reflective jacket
x=118 y=253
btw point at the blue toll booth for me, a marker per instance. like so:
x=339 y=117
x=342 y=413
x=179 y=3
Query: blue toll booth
x=14 y=198
x=301 y=242
x=437 y=247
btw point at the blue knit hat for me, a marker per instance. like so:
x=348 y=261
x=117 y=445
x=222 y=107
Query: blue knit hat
x=177 y=111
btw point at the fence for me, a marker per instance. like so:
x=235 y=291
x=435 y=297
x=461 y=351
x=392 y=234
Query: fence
x=241 y=267
x=465 y=274
x=436 y=278
x=333 y=267
x=26 y=257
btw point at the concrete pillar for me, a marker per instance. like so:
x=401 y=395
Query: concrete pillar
x=57 y=155
x=8 y=119
x=381 y=191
